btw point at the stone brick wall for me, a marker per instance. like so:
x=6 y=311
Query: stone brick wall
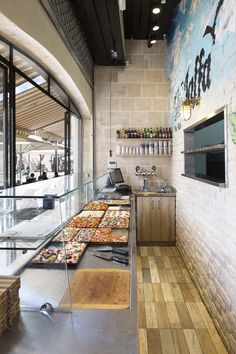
x=133 y=97
x=205 y=214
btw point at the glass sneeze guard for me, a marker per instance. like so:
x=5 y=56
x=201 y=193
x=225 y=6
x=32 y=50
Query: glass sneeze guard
x=31 y=216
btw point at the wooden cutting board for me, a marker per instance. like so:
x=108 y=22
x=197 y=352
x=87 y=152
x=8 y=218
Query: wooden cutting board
x=99 y=289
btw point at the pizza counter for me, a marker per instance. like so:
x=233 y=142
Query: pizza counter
x=84 y=328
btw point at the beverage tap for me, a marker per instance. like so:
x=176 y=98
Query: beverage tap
x=145 y=174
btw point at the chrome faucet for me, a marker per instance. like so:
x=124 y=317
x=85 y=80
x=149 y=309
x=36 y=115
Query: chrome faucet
x=145 y=174
x=163 y=186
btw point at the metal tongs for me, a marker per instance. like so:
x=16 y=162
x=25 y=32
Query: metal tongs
x=113 y=250
x=116 y=259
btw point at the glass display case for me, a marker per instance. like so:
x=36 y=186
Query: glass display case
x=34 y=235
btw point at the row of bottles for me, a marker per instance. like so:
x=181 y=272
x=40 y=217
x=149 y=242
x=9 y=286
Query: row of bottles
x=152 y=148
x=146 y=133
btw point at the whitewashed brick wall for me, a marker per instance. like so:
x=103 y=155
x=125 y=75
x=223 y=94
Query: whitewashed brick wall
x=205 y=214
x=206 y=235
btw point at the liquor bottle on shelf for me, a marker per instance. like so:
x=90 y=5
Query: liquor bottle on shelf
x=148 y=133
x=160 y=133
x=126 y=134
x=167 y=133
x=157 y=133
x=117 y=134
x=145 y=133
x=151 y=133
x=164 y=133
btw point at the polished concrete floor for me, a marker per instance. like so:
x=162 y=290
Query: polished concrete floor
x=172 y=317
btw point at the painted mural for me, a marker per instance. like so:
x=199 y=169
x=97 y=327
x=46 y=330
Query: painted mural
x=202 y=34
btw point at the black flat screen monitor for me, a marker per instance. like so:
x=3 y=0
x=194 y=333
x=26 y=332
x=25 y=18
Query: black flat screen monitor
x=116 y=176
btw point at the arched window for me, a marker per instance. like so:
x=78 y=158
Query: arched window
x=36 y=116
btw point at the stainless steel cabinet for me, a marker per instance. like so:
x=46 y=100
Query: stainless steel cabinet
x=155 y=220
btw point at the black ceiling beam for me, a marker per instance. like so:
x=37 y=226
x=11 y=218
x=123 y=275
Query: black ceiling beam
x=105 y=26
x=145 y=11
x=127 y=15
x=115 y=25
x=136 y=18
x=87 y=14
x=101 y=23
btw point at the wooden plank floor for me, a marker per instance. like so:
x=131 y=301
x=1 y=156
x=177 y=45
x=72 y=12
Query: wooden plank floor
x=172 y=317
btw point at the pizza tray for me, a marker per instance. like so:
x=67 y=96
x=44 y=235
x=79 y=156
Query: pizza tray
x=54 y=265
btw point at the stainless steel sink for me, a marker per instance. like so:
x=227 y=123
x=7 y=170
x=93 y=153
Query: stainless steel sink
x=154 y=190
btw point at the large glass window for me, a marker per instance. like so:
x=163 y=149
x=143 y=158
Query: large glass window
x=29 y=68
x=4 y=50
x=35 y=129
x=58 y=93
x=39 y=134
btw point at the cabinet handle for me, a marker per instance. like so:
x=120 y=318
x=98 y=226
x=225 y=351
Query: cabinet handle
x=152 y=204
x=159 y=204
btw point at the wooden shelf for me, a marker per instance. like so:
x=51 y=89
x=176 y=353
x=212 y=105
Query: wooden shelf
x=144 y=155
x=144 y=139
x=210 y=148
x=214 y=183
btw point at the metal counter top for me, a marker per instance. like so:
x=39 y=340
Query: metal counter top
x=80 y=331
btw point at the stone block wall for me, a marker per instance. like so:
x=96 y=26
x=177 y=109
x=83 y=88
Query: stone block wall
x=135 y=96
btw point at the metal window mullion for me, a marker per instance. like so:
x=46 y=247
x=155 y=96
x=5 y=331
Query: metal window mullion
x=12 y=122
x=5 y=127
x=67 y=143
x=27 y=78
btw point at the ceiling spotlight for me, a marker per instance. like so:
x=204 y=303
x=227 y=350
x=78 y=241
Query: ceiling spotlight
x=155 y=28
x=156 y=10
x=153 y=41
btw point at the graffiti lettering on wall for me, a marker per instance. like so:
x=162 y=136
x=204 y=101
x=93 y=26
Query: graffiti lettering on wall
x=201 y=79
x=211 y=29
x=192 y=87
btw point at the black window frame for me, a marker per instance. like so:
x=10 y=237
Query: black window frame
x=11 y=128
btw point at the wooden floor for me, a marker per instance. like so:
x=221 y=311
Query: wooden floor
x=172 y=317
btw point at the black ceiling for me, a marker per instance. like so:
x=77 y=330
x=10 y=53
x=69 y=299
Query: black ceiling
x=99 y=23
x=139 y=19
x=102 y=25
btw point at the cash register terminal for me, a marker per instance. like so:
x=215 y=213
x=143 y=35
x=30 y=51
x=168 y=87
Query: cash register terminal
x=116 y=182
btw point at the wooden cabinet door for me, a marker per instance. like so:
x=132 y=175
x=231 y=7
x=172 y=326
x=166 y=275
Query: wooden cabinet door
x=167 y=219
x=148 y=215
